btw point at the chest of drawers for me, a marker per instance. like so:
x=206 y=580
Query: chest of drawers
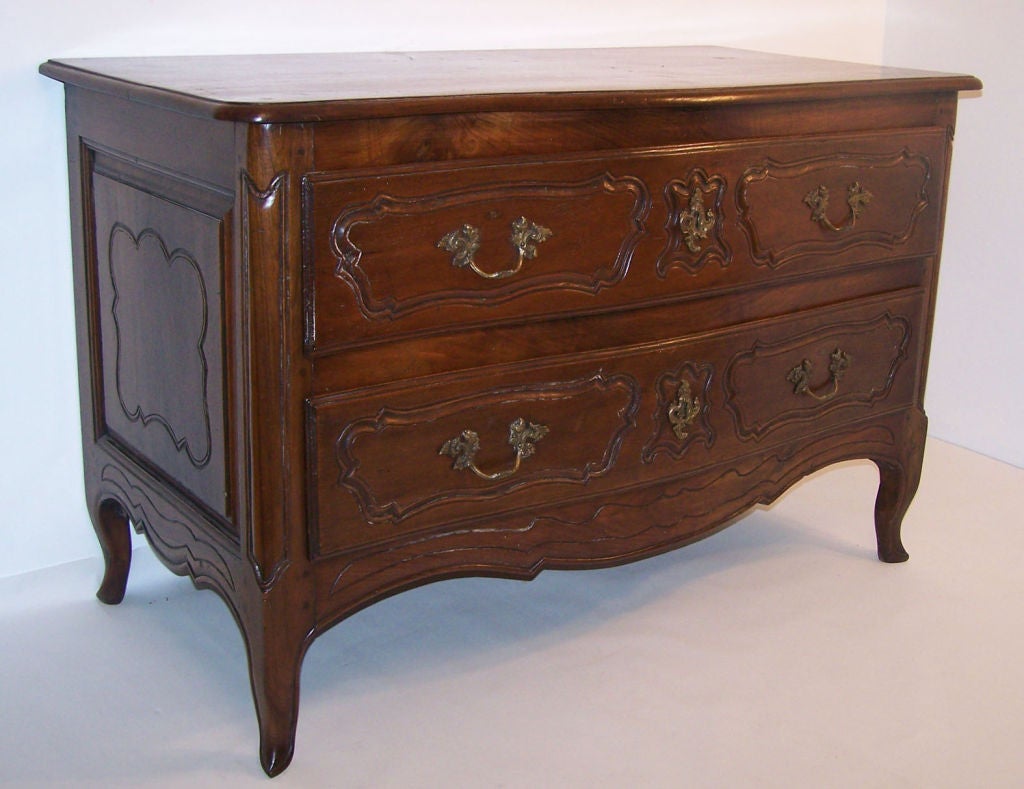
x=348 y=324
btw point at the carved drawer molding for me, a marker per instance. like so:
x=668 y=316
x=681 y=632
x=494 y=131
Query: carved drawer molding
x=364 y=448
x=585 y=224
x=875 y=200
x=758 y=379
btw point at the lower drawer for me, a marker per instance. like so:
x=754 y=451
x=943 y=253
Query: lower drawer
x=395 y=460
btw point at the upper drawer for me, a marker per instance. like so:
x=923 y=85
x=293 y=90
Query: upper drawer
x=799 y=200
x=420 y=250
x=435 y=248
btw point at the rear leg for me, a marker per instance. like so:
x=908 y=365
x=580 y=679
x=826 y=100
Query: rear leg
x=114 y=533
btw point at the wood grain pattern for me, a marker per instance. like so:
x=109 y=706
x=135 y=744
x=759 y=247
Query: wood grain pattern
x=274 y=352
x=757 y=380
x=158 y=263
x=587 y=534
x=587 y=419
x=613 y=244
x=899 y=187
x=450 y=136
x=375 y=241
x=288 y=88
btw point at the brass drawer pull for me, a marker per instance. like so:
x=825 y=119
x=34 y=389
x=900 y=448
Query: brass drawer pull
x=799 y=376
x=464 y=243
x=857 y=198
x=522 y=437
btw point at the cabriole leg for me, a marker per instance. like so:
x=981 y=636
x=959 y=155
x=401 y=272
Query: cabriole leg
x=274 y=668
x=114 y=533
x=890 y=506
x=898 y=481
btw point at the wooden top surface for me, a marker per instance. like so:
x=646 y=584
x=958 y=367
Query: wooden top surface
x=305 y=87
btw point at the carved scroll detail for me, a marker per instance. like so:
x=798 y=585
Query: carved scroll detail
x=764 y=185
x=375 y=304
x=182 y=546
x=619 y=394
x=630 y=526
x=145 y=261
x=766 y=367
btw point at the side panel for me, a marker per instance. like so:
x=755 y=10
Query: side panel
x=156 y=268
x=153 y=227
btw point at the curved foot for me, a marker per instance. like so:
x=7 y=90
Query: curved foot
x=890 y=507
x=277 y=702
x=114 y=533
x=275 y=689
x=275 y=758
x=898 y=480
x=275 y=663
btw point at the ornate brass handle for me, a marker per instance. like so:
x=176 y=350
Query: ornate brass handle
x=464 y=243
x=522 y=437
x=857 y=198
x=799 y=376
x=683 y=410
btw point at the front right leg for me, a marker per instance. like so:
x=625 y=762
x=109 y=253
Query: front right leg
x=898 y=480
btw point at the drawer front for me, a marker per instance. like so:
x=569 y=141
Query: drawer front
x=798 y=378
x=798 y=202
x=434 y=249
x=420 y=251
x=407 y=459
x=398 y=460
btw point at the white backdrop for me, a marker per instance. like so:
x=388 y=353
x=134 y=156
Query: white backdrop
x=44 y=519
x=976 y=380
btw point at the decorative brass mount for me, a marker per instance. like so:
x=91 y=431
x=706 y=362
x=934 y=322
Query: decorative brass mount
x=464 y=243
x=522 y=437
x=857 y=198
x=683 y=410
x=799 y=376
x=696 y=222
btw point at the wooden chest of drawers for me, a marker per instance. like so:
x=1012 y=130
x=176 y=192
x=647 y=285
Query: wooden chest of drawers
x=352 y=323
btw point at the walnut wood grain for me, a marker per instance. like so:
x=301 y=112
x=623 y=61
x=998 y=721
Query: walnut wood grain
x=638 y=523
x=289 y=88
x=274 y=352
x=616 y=241
x=373 y=454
